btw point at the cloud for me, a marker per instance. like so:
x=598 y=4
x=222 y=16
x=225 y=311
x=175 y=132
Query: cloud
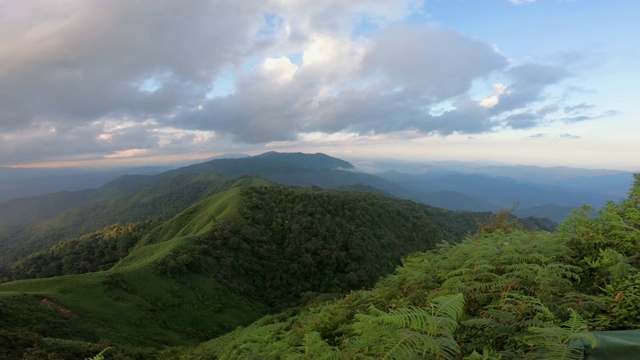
x=578 y=108
x=520 y=2
x=528 y=82
x=355 y=85
x=524 y=120
x=569 y=136
x=434 y=64
x=85 y=60
x=577 y=117
x=126 y=153
x=493 y=100
x=539 y=135
x=114 y=78
x=547 y=109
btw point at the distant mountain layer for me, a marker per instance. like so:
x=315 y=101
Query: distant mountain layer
x=289 y=169
x=553 y=212
x=270 y=162
x=450 y=190
x=21 y=183
x=485 y=192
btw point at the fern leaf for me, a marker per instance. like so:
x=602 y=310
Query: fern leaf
x=559 y=342
x=100 y=355
x=450 y=306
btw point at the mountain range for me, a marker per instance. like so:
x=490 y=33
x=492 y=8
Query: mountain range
x=182 y=256
x=542 y=192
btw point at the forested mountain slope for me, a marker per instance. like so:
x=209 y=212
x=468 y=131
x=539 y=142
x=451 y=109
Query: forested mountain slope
x=501 y=294
x=298 y=169
x=32 y=224
x=222 y=262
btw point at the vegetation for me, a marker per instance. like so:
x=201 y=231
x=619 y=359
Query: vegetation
x=314 y=263
x=97 y=251
x=132 y=199
x=506 y=294
x=223 y=262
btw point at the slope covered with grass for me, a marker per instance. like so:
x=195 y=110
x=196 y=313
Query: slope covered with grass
x=131 y=200
x=224 y=262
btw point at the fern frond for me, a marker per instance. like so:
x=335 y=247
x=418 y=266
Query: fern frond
x=100 y=355
x=314 y=347
x=518 y=258
x=560 y=342
x=450 y=306
x=408 y=333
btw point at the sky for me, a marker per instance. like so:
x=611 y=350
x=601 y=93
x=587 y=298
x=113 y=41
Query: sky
x=141 y=82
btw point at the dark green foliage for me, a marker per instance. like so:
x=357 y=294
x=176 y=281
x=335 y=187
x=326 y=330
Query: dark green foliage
x=503 y=293
x=98 y=251
x=527 y=295
x=229 y=259
x=288 y=242
x=408 y=333
x=561 y=343
x=505 y=302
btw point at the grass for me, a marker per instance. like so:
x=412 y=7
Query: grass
x=131 y=304
x=198 y=218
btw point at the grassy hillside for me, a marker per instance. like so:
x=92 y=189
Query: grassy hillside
x=501 y=294
x=222 y=262
x=133 y=199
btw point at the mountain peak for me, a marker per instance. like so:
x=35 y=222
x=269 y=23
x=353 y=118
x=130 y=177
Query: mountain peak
x=307 y=161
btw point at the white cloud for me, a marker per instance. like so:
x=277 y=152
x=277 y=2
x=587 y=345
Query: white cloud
x=493 y=100
x=126 y=153
x=115 y=77
x=281 y=70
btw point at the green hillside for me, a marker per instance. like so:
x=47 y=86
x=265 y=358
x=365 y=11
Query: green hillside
x=503 y=293
x=132 y=199
x=222 y=262
x=136 y=198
